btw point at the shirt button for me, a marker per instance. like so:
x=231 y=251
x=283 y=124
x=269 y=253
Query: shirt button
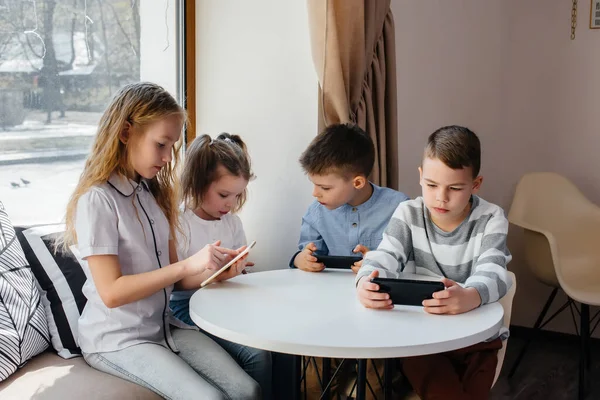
x=354 y=225
x=353 y=209
x=152 y=221
x=159 y=253
x=139 y=188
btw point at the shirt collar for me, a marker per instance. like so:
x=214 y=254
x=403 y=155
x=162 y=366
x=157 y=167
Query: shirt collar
x=126 y=186
x=371 y=200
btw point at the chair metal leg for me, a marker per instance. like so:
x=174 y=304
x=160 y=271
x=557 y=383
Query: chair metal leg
x=536 y=328
x=332 y=378
x=305 y=364
x=387 y=379
x=361 y=386
x=296 y=392
x=584 y=355
x=326 y=378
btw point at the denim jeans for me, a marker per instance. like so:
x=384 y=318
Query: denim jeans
x=201 y=369
x=257 y=363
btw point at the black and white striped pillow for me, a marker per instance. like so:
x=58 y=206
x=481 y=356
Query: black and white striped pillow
x=61 y=280
x=23 y=326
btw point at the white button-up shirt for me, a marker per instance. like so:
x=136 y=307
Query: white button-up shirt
x=121 y=217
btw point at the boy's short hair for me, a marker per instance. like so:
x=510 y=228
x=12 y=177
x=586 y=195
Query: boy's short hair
x=456 y=146
x=341 y=148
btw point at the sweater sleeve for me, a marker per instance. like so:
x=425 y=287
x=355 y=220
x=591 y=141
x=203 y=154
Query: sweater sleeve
x=489 y=275
x=394 y=248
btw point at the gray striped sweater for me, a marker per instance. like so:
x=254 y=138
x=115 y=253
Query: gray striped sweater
x=474 y=254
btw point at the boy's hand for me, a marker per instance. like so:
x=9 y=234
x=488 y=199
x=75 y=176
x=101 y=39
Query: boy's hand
x=359 y=249
x=368 y=295
x=455 y=299
x=306 y=261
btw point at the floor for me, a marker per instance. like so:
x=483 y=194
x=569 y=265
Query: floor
x=549 y=370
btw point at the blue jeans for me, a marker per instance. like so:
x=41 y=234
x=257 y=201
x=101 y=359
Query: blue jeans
x=256 y=363
x=201 y=370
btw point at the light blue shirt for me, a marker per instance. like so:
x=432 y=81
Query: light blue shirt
x=337 y=232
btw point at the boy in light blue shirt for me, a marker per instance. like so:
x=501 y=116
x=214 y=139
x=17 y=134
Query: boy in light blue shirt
x=349 y=213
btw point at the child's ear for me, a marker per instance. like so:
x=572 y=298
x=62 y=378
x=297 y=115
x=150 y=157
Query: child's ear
x=125 y=133
x=359 y=182
x=477 y=183
x=420 y=176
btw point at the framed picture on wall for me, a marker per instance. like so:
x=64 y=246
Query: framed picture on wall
x=594 y=14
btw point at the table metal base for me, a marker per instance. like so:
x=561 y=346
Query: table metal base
x=326 y=380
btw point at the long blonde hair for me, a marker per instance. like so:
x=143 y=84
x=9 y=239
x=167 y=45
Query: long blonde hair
x=140 y=105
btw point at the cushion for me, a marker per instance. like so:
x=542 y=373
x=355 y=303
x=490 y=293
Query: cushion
x=61 y=279
x=50 y=377
x=23 y=326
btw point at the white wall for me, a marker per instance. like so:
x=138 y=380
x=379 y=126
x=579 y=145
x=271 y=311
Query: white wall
x=255 y=77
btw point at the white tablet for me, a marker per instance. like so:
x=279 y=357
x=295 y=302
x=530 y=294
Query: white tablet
x=229 y=264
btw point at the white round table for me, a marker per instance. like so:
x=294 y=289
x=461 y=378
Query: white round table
x=318 y=314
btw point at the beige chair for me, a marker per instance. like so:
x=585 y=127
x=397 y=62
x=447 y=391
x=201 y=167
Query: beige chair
x=506 y=303
x=562 y=249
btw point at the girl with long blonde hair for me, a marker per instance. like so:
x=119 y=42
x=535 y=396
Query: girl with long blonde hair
x=123 y=217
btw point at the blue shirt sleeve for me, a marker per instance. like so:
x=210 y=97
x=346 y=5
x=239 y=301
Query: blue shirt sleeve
x=309 y=234
x=402 y=197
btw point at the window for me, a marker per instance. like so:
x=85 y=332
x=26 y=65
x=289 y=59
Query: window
x=60 y=63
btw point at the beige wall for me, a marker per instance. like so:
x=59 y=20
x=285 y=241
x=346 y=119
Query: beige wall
x=509 y=71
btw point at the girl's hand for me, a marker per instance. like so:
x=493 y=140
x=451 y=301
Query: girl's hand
x=211 y=257
x=455 y=299
x=236 y=269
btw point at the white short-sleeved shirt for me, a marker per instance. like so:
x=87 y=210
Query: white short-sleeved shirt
x=121 y=217
x=200 y=232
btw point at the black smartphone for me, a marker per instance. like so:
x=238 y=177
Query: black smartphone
x=340 y=262
x=408 y=292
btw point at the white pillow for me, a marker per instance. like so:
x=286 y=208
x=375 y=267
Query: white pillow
x=23 y=326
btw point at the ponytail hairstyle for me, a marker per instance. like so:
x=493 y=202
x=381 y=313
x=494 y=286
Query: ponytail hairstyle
x=203 y=157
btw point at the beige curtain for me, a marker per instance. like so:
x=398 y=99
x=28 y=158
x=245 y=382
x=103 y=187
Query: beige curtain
x=354 y=54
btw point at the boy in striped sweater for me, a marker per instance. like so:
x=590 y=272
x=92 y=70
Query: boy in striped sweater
x=453 y=234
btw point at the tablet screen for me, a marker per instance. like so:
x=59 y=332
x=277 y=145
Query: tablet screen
x=229 y=264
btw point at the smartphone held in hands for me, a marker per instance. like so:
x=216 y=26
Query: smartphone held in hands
x=340 y=262
x=229 y=264
x=409 y=292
